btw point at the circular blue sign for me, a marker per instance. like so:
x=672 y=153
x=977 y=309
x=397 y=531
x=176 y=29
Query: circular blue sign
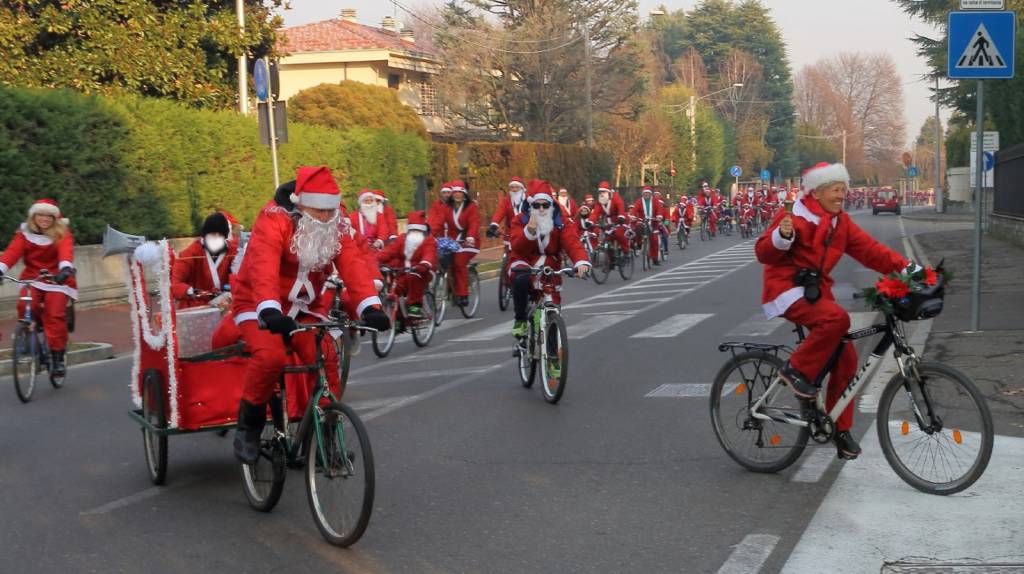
x=990 y=160
x=735 y=171
x=259 y=78
x=766 y=175
x=912 y=171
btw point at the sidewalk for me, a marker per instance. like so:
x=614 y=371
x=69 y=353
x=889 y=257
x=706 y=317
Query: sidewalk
x=993 y=356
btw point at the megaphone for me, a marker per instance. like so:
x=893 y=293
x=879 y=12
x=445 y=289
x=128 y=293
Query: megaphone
x=116 y=242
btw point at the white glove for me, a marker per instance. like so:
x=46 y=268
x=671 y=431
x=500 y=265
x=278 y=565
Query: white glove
x=378 y=284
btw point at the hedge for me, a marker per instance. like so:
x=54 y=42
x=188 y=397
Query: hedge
x=154 y=167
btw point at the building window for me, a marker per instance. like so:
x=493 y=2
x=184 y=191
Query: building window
x=393 y=81
x=428 y=98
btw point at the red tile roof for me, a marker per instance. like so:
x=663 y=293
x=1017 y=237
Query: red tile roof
x=339 y=34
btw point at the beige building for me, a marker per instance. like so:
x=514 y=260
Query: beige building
x=343 y=49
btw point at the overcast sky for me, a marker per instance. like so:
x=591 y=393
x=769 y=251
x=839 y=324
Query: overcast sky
x=812 y=29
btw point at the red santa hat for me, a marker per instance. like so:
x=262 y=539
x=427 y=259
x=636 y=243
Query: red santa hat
x=47 y=207
x=604 y=186
x=315 y=187
x=365 y=194
x=417 y=221
x=588 y=197
x=563 y=191
x=539 y=190
x=647 y=189
x=657 y=193
x=380 y=195
x=822 y=174
x=458 y=185
x=517 y=181
x=232 y=222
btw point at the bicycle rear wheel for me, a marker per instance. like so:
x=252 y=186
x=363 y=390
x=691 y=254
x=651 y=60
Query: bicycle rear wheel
x=704 y=233
x=951 y=455
x=154 y=445
x=469 y=310
x=339 y=474
x=24 y=366
x=263 y=481
x=504 y=285
x=756 y=444
x=555 y=360
x=423 y=329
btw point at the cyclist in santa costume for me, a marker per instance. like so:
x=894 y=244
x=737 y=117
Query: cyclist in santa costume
x=649 y=209
x=384 y=209
x=461 y=221
x=44 y=241
x=611 y=206
x=415 y=249
x=369 y=221
x=202 y=268
x=799 y=252
x=509 y=207
x=295 y=240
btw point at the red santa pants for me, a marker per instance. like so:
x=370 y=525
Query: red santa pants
x=654 y=244
x=412 y=287
x=618 y=233
x=827 y=322
x=269 y=358
x=460 y=272
x=52 y=305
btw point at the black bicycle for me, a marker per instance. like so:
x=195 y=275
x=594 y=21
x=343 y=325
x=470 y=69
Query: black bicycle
x=934 y=426
x=30 y=353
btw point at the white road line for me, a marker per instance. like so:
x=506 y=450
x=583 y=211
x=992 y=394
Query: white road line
x=415 y=376
x=815 y=464
x=488 y=334
x=620 y=295
x=612 y=312
x=432 y=392
x=751 y=553
x=756 y=326
x=589 y=301
x=591 y=325
x=862 y=320
x=449 y=354
x=671 y=327
x=638 y=286
x=371 y=404
x=138 y=496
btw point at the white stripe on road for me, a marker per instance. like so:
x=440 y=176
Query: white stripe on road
x=756 y=326
x=488 y=334
x=621 y=290
x=591 y=325
x=139 y=496
x=415 y=376
x=751 y=553
x=589 y=301
x=671 y=327
x=432 y=392
x=815 y=464
x=634 y=293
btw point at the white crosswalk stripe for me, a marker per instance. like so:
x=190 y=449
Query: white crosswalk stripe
x=756 y=326
x=670 y=327
x=487 y=334
x=592 y=325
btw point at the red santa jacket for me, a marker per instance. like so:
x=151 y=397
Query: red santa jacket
x=507 y=211
x=436 y=216
x=712 y=200
x=270 y=275
x=782 y=258
x=464 y=223
x=684 y=210
x=530 y=250
x=371 y=231
x=39 y=253
x=616 y=207
x=392 y=219
x=569 y=205
x=194 y=268
x=394 y=254
x=656 y=209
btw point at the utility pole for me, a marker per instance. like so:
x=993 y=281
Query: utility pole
x=844 y=147
x=938 y=152
x=590 y=101
x=693 y=131
x=243 y=67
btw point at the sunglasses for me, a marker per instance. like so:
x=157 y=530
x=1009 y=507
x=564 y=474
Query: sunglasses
x=540 y=205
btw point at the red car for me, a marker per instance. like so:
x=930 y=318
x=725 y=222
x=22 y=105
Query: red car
x=885 y=200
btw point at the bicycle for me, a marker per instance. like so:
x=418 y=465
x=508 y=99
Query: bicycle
x=746 y=216
x=330 y=442
x=441 y=288
x=394 y=305
x=705 y=224
x=748 y=398
x=682 y=235
x=30 y=352
x=609 y=255
x=545 y=324
x=504 y=285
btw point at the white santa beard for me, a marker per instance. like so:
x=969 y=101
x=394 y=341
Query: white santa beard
x=380 y=208
x=369 y=212
x=564 y=201
x=316 y=243
x=516 y=196
x=413 y=239
x=545 y=222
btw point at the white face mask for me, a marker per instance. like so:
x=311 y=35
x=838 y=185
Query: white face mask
x=214 y=243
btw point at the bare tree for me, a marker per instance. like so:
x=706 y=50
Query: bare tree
x=689 y=70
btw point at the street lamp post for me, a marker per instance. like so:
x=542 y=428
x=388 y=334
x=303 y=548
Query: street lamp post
x=243 y=66
x=691 y=110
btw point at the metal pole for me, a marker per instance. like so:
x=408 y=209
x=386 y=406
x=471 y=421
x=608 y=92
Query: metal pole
x=243 y=66
x=979 y=179
x=270 y=123
x=693 y=131
x=590 y=102
x=938 y=152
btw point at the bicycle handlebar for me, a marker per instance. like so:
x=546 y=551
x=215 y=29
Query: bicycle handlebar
x=548 y=271
x=44 y=277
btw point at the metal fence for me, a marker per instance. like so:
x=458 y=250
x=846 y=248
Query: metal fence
x=1009 y=182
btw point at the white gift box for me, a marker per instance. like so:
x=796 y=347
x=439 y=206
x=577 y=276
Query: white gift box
x=195 y=329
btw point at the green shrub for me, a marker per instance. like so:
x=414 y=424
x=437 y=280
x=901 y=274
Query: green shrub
x=352 y=104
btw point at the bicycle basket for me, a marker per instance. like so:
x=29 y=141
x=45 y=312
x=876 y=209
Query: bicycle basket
x=922 y=302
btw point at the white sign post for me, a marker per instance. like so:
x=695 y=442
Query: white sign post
x=982 y=5
x=991 y=146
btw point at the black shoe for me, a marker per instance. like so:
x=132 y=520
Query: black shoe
x=461 y=300
x=57 y=366
x=847 y=445
x=251 y=419
x=657 y=263
x=797 y=382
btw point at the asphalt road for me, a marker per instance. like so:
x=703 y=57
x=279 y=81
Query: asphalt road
x=474 y=473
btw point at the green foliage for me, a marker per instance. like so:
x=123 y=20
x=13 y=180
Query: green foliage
x=711 y=139
x=813 y=148
x=154 y=167
x=352 y=104
x=184 y=49
x=443 y=165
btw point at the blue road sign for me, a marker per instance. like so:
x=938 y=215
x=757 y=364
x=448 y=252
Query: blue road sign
x=736 y=171
x=766 y=175
x=912 y=171
x=990 y=160
x=260 y=79
x=981 y=45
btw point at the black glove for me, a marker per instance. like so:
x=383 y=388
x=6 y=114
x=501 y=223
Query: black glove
x=63 y=276
x=492 y=230
x=277 y=322
x=376 y=319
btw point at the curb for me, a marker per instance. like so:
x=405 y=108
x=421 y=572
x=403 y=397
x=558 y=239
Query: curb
x=99 y=352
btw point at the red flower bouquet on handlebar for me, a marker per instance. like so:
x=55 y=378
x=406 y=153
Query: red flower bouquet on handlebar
x=911 y=294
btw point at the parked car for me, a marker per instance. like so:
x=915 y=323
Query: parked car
x=885 y=200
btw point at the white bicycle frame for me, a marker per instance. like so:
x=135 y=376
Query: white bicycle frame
x=893 y=335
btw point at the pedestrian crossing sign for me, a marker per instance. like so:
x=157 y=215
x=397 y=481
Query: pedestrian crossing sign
x=981 y=45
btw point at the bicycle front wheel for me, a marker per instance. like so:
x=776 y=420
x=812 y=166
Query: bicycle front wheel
x=424 y=327
x=339 y=474
x=627 y=263
x=469 y=310
x=383 y=342
x=645 y=248
x=441 y=297
x=602 y=266
x=756 y=444
x=556 y=358
x=24 y=366
x=504 y=285
x=935 y=429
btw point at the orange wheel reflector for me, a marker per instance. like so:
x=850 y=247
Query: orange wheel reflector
x=775 y=440
x=561 y=354
x=959 y=438
x=740 y=389
x=905 y=428
x=552 y=384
